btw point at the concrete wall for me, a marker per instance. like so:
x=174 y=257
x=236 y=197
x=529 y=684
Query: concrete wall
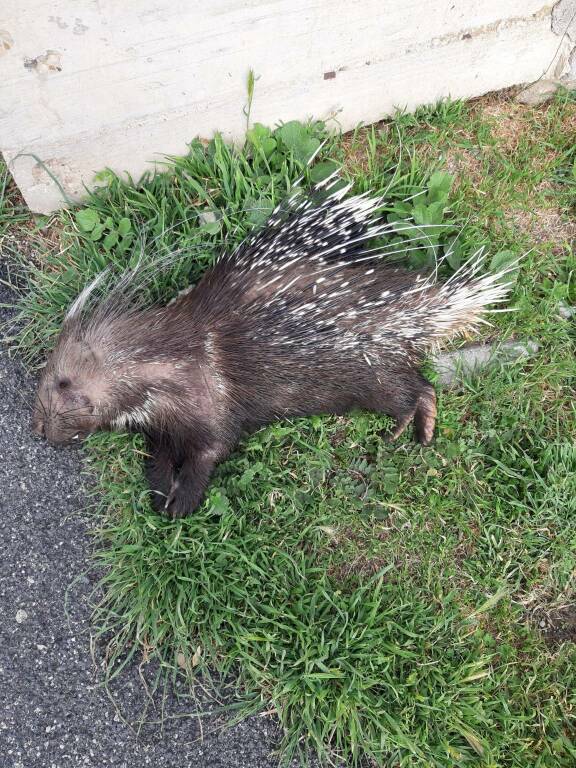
x=118 y=83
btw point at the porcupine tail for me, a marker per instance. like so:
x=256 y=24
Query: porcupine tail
x=431 y=312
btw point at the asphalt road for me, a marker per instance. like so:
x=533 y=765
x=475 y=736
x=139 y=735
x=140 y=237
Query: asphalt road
x=53 y=710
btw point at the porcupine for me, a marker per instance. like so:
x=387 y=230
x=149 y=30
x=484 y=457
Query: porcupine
x=303 y=318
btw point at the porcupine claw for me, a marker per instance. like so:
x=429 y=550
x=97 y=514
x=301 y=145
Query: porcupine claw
x=401 y=425
x=178 y=504
x=424 y=418
x=171 y=498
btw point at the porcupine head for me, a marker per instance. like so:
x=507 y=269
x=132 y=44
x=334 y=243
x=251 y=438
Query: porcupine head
x=93 y=373
x=75 y=395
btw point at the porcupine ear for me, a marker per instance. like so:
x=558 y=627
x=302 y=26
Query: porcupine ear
x=88 y=354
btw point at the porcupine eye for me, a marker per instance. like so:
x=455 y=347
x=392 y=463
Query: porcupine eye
x=63 y=383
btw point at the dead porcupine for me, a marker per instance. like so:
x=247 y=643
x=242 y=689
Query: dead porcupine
x=301 y=319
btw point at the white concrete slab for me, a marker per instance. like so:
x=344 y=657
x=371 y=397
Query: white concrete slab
x=96 y=83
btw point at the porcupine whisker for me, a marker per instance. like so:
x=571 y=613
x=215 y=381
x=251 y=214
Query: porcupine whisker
x=41 y=403
x=25 y=398
x=69 y=420
x=69 y=411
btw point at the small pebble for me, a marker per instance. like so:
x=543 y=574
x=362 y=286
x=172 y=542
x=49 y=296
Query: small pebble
x=452 y=366
x=21 y=616
x=538 y=93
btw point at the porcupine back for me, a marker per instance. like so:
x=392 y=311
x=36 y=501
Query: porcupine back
x=305 y=300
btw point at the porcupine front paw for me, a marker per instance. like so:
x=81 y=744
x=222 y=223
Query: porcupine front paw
x=160 y=473
x=187 y=490
x=183 y=498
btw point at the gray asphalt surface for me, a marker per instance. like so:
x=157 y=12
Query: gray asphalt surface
x=53 y=712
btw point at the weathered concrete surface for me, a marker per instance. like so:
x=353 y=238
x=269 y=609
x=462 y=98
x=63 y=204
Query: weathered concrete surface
x=564 y=18
x=121 y=84
x=564 y=25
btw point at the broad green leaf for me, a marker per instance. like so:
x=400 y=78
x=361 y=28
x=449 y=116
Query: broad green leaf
x=500 y=261
x=321 y=171
x=401 y=210
x=111 y=239
x=419 y=213
x=418 y=258
x=439 y=187
x=296 y=137
x=258 y=209
x=105 y=177
x=87 y=219
x=212 y=227
x=307 y=148
x=435 y=212
x=261 y=139
x=454 y=256
x=219 y=502
x=268 y=146
x=292 y=134
x=258 y=133
x=97 y=232
x=125 y=242
x=124 y=226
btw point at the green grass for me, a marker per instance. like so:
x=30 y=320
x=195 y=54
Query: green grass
x=381 y=600
x=11 y=211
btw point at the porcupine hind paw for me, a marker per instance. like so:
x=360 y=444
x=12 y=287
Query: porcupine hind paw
x=422 y=413
x=425 y=417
